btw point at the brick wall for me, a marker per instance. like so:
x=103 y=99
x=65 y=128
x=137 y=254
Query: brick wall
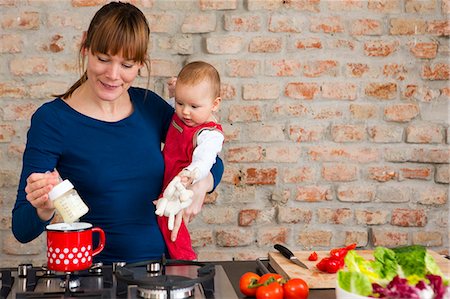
x=335 y=114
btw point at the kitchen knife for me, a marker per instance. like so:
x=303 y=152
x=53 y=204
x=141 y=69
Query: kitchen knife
x=289 y=255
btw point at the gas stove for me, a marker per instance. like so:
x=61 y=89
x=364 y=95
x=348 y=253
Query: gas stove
x=159 y=279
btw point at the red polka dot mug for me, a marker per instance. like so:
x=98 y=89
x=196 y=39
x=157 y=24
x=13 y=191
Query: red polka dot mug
x=69 y=246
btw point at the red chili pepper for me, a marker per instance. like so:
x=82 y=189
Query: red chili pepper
x=313 y=256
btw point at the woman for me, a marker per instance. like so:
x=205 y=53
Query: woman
x=105 y=137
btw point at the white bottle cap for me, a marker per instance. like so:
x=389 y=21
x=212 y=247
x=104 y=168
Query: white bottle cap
x=60 y=189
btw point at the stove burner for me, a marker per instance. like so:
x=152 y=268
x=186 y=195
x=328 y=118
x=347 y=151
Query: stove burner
x=153 y=284
x=163 y=293
x=70 y=282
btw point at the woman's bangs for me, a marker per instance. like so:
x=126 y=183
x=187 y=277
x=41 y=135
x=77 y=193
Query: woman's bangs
x=124 y=40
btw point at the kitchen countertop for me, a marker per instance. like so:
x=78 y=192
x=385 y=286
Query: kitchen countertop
x=235 y=269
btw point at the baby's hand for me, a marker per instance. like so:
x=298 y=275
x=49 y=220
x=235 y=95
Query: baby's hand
x=187 y=177
x=171 y=86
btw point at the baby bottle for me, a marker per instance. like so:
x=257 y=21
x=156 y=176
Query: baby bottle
x=67 y=202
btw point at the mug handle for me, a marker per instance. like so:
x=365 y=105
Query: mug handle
x=101 y=244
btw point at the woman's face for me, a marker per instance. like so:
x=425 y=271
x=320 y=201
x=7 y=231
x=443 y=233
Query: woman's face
x=110 y=76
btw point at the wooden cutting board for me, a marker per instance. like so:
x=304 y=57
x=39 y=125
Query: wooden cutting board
x=320 y=280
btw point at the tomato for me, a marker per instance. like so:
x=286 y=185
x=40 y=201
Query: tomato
x=248 y=283
x=313 y=256
x=338 y=252
x=273 y=290
x=323 y=264
x=269 y=278
x=295 y=288
x=351 y=246
x=334 y=265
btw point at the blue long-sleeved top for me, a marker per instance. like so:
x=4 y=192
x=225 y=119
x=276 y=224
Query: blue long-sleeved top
x=116 y=167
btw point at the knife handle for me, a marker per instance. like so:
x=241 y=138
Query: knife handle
x=284 y=251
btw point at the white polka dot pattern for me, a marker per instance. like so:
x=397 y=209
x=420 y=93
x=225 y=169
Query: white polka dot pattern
x=69 y=256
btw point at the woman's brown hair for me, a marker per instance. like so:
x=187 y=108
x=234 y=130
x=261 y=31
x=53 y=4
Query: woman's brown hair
x=116 y=28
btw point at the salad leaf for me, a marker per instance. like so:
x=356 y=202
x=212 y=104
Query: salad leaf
x=411 y=259
x=385 y=263
x=354 y=282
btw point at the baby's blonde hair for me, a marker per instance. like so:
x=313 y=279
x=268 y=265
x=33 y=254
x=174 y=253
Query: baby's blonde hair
x=198 y=71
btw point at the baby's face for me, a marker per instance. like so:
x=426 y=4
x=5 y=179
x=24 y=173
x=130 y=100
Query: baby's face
x=195 y=104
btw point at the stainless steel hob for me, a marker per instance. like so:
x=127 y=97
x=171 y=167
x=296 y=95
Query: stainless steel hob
x=161 y=279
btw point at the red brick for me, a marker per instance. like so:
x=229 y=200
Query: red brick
x=299 y=90
x=348 y=133
x=425 y=133
x=421 y=173
x=437 y=71
x=339 y=91
x=217 y=4
x=420 y=93
x=293 y=215
x=199 y=23
x=303 y=5
x=433 y=195
x=439 y=28
x=263 y=5
x=342 y=153
x=10 y=43
x=227 y=91
x=380 y=48
x=392 y=193
x=241 y=23
x=357 y=70
x=382 y=91
x=420 y=6
x=85 y=3
x=442 y=174
x=260 y=91
x=409 y=217
x=12 y=90
x=345 y=5
x=401 y=112
x=399 y=26
x=201 y=237
x=306 y=133
x=308 y=43
x=29 y=66
x=314 y=193
x=242 y=68
x=233 y=237
x=446 y=6
x=424 y=49
x=163 y=68
x=385 y=134
x=15 y=151
x=328 y=111
x=224 y=44
x=430 y=155
x=283 y=23
x=384 y=6
x=265 y=45
x=315 y=238
x=427 y=238
x=346 y=44
x=248 y=217
x=326 y=24
x=335 y=216
x=299 y=174
x=382 y=173
x=370 y=217
x=313 y=69
x=339 y=172
x=366 y=27
x=268 y=236
x=238 y=113
x=358 y=237
x=288 y=110
x=267 y=132
x=389 y=238
x=218 y=215
x=363 y=111
x=395 y=71
x=7 y=132
x=260 y=176
x=282 y=154
x=18 y=111
x=27 y=20
x=355 y=193
x=244 y=154
x=282 y=68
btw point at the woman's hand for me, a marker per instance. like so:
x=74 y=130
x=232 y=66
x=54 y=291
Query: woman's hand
x=37 y=189
x=200 y=189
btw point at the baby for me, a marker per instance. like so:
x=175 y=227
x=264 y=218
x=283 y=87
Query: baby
x=193 y=141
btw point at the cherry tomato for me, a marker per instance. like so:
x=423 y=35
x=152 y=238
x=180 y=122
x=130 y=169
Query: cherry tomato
x=334 y=265
x=271 y=291
x=295 y=288
x=248 y=284
x=323 y=264
x=269 y=278
x=313 y=256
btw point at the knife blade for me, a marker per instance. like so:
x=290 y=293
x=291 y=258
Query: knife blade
x=289 y=255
